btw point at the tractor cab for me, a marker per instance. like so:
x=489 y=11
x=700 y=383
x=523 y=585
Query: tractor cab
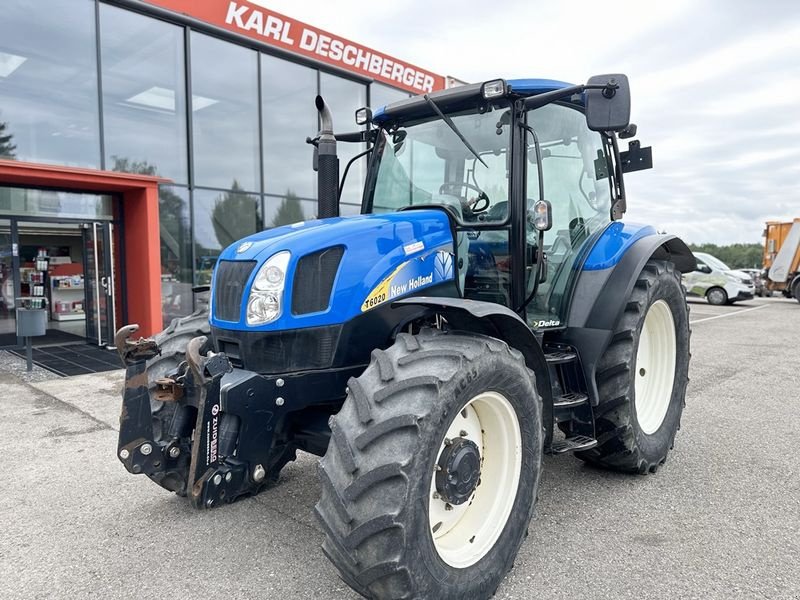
x=491 y=159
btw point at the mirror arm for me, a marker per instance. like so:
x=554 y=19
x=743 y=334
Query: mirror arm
x=540 y=100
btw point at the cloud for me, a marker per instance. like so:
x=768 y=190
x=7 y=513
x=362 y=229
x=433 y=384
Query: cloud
x=716 y=87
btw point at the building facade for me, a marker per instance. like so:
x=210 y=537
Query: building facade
x=163 y=127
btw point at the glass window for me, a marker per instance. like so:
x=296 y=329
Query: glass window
x=344 y=97
x=224 y=114
x=426 y=163
x=144 y=96
x=221 y=219
x=289 y=117
x=486 y=275
x=575 y=177
x=54 y=203
x=287 y=210
x=176 y=252
x=381 y=95
x=48 y=82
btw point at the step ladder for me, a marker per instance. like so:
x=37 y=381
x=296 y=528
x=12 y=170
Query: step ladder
x=570 y=402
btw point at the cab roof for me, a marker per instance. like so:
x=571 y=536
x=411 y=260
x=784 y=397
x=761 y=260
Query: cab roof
x=450 y=98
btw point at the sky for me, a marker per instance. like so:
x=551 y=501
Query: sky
x=715 y=87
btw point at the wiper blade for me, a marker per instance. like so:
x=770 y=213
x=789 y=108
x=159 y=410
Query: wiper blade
x=453 y=127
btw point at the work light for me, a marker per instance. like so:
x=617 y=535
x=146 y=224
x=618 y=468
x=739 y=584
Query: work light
x=494 y=89
x=363 y=116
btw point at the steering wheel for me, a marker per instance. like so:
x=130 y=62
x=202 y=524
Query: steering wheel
x=469 y=205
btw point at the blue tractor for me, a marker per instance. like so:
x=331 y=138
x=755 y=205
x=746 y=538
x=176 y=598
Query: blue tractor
x=486 y=307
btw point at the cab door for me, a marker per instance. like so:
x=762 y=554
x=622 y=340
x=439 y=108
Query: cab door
x=575 y=171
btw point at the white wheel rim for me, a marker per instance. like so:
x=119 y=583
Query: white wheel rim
x=467 y=532
x=655 y=367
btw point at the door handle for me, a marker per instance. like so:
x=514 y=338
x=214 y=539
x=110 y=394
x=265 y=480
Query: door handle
x=104 y=282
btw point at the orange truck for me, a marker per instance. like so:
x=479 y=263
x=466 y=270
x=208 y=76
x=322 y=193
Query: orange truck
x=782 y=257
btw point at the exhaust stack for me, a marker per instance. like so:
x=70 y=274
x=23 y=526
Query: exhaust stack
x=328 y=165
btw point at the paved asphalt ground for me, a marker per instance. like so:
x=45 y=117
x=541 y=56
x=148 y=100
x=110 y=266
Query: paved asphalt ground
x=720 y=520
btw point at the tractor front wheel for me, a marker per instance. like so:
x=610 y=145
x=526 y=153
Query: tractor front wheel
x=432 y=471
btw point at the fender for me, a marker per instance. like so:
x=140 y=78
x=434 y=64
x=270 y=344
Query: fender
x=502 y=323
x=600 y=297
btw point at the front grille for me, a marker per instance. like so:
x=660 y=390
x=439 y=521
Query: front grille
x=229 y=285
x=313 y=280
x=281 y=351
x=747 y=281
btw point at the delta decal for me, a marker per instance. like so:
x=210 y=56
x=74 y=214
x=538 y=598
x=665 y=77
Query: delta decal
x=411 y=276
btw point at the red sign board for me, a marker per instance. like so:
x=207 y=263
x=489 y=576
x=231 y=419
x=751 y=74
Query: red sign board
x=289 y=34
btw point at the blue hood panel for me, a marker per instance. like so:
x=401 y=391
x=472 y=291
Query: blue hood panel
x=379 y=250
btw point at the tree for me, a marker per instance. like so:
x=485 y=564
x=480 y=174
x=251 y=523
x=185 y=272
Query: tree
x=290 y=211
x=736 y=256
x=173 y=221
x=7 y=148
x=126 y=165
x=235 y=215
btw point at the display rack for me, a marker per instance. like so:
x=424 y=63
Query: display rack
x=67 y=297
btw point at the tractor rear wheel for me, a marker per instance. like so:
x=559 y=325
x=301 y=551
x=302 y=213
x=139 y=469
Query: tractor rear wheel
x=433 y=467
x=642 y=377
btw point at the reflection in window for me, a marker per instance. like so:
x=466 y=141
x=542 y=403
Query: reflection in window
x=176 y=252
x=344 y=97
x=287 y=210
x=221 y=219
x=381 y=95
x=55 y=203
x=289 y=116
x=144 y=98
x=48 y=83
x=224 y=113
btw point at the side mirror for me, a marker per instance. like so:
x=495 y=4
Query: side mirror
x=704 y=269
x=541 y=216
x=608 y=108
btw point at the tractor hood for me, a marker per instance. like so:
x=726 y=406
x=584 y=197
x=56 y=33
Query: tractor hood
x=338 y=268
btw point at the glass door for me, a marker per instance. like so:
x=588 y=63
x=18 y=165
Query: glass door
x=8 y=285
x=101 y=307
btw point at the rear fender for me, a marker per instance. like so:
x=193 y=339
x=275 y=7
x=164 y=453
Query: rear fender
x=601 y=295
x=499 y=322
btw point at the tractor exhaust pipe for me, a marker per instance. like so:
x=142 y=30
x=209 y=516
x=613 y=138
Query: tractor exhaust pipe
x=328 y=165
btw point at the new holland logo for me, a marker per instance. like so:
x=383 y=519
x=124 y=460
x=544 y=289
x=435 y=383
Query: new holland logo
x=243 y=247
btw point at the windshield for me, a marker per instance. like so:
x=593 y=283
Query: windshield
x=713 y=262
x=426 y=163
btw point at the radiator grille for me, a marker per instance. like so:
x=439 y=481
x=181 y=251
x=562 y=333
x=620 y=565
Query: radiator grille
x=229 y=286
x=313 y=280
x=281 y=351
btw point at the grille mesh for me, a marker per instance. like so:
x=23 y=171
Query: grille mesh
x=229 y=285
x=313 y=280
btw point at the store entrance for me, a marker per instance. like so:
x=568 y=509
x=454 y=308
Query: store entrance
x=64 y=267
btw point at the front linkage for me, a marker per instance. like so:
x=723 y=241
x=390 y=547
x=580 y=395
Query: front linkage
x=216 y=446
x=215 y=433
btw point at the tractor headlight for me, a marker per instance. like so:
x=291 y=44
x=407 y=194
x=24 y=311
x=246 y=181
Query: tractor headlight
x=266 y=298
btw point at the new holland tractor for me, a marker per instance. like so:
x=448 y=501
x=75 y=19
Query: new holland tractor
x=486 y=307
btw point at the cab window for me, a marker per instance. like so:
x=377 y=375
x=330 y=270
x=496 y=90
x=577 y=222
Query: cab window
x=575 y=171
